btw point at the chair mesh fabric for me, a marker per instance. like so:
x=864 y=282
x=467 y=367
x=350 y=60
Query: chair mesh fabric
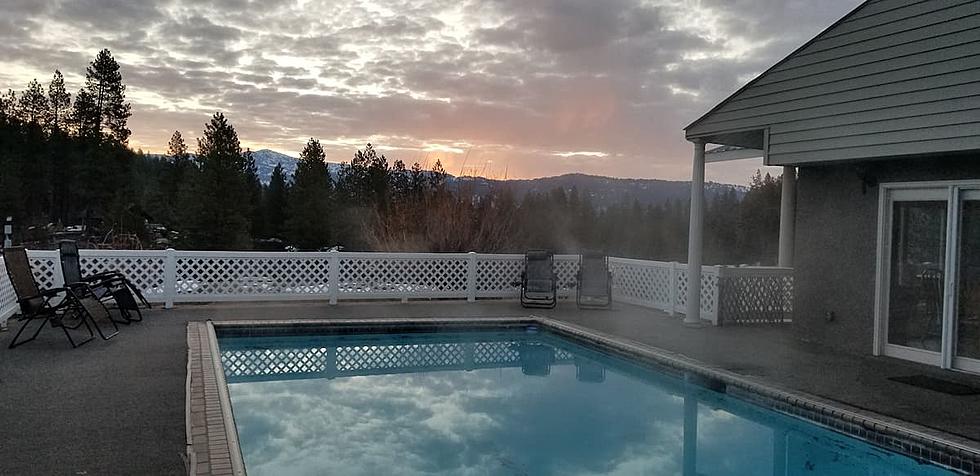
x=70 y=267
x=540 y=272
x=594 y=279
x=22 y=278
x=19 y=271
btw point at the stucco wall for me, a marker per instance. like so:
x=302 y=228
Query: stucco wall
x=836 y=243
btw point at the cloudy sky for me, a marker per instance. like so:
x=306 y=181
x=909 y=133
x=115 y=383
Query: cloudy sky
x=494 y=87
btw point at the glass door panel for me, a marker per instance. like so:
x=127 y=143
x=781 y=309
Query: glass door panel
x=916 y=274
x=968 y=284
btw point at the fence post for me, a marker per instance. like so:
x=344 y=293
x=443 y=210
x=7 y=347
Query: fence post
x=333 y=279
x=672 y=289
x=170 y=278
x=471 y=277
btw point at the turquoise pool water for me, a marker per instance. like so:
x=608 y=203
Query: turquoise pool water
x=507 y=403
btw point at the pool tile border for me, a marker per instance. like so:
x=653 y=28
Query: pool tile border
x=213 y=439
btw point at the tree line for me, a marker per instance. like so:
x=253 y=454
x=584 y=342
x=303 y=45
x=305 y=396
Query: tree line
x=67 y=162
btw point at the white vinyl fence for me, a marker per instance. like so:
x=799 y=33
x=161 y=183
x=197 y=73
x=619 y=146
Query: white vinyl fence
x=207 y=276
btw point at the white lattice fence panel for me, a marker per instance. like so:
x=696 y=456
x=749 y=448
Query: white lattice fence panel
x=356 y=359
x=47 y=269
x=562 y=355
x=709 y=292
x=500 y=275
x=252 y=275
x=273 y=362
x=496 y=353
x=144 y=271
x=645 y=283
x=377 y=275
x=8 y=299
x=566 y=268
x=496 y=275
x=756 y=295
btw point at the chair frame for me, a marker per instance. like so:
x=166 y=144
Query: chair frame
x=580 y=276
x=539 y=302
x=108 y=285
x=37 y=304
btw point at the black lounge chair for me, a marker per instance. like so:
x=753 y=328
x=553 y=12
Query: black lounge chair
x=594 y=289
x=67 y=308
x=539 y=283
x=108 y=285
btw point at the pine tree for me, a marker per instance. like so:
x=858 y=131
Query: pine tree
x=84 y=115
x=274 y=203
x=33 y=105
x=308 y=206
x=437 y=179
x=8 y=106
x=109 y=110
x=177 y=149
x=216 y=212
x=254 y=189
x=175 y=176
x=59 y=102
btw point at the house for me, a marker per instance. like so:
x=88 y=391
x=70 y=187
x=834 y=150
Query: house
x=878 y=118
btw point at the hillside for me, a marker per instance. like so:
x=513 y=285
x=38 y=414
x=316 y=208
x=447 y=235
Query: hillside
x=603 y=191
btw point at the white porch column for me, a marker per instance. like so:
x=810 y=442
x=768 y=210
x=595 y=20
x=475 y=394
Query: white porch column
x=695 y=237
x=787 y=217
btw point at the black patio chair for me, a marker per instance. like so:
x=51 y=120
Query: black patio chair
x=70 y=312
x=108 y=285
x=594 y=286
x=539 y=283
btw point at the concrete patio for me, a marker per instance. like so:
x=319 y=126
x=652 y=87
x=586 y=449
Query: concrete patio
x=117 y=407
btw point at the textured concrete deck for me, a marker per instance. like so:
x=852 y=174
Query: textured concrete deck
x=117 y=407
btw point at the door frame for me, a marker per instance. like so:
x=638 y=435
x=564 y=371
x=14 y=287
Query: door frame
x=952 y=192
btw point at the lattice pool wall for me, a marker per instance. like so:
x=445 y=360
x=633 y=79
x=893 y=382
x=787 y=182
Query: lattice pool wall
x=204 y=276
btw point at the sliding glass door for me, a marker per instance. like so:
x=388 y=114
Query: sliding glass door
x=967 y=312
x=928 y=307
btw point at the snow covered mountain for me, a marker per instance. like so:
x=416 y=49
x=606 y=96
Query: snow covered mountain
x=266 y=160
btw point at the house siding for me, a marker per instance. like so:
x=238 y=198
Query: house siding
x=836 y=243
x=893 y=78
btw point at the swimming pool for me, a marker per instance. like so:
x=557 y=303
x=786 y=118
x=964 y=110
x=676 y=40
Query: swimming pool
x=516 y=400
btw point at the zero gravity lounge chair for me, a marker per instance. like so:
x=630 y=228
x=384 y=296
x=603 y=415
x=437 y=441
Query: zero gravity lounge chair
x=108 y=285
x=594 y=289
x=539 y=284
x=69 y=308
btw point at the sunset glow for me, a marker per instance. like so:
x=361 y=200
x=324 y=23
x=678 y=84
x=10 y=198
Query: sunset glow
x=534 y=89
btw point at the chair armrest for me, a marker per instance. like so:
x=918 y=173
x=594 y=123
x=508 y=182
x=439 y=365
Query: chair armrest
x=103 y=275
x=80 y=289
x=50 y=293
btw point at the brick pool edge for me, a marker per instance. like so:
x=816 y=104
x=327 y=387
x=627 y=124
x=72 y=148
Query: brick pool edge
x=212 y=438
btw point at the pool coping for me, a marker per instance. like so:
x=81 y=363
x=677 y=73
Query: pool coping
x=213 y=446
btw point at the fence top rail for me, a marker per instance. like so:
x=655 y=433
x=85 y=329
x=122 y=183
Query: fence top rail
x=756 y=271
x=641 y=262
x=293 y=254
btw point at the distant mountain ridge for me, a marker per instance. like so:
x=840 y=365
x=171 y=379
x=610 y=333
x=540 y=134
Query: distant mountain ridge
x=602 y=191
x=606 y=191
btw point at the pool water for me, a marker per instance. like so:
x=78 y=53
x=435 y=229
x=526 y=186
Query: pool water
x=516 y=402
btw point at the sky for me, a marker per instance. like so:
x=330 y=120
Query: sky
x=499 y=88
